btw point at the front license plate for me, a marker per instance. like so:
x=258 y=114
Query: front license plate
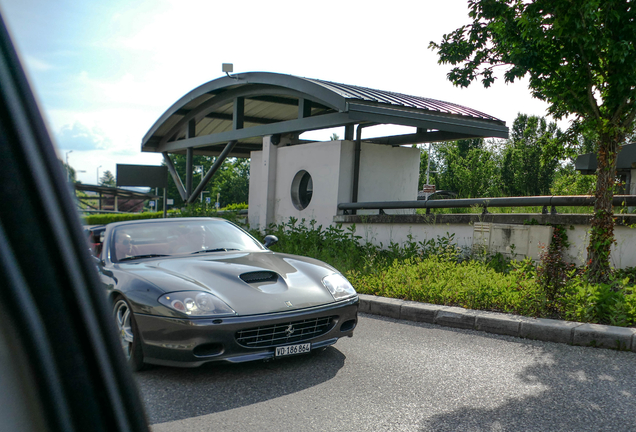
x=293 y=349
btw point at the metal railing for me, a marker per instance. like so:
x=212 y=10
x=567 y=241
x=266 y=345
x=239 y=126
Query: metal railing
x=531 y=201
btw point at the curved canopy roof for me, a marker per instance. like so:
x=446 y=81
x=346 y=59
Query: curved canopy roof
x=245 y=107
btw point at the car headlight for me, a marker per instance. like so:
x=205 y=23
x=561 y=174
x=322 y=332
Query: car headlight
x=338 y=286
x=196 y=303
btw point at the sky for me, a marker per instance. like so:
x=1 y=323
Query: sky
x=104 y=71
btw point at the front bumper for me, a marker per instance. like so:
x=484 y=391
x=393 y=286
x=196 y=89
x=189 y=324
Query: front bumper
x=193 y=342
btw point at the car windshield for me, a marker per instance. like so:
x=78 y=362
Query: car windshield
x=156 y=239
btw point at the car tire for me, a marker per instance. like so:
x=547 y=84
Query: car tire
x=128 y=334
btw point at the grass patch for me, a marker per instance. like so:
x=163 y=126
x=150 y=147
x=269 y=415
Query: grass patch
x=470 y=284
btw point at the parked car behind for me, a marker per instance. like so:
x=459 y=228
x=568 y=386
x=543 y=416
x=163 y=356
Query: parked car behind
x=95 y=237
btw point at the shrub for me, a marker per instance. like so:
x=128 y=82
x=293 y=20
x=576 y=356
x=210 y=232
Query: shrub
x=611 y=303
x=552 y=273
x=333 y=245
x=103 y=219
x=241 y=206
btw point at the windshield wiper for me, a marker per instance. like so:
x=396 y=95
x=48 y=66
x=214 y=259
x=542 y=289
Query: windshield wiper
x=214 y=250
x=142 y=256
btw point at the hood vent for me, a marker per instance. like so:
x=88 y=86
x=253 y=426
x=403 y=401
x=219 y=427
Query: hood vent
x=259 y=276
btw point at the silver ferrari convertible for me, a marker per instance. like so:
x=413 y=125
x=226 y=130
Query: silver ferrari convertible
x=195 y=290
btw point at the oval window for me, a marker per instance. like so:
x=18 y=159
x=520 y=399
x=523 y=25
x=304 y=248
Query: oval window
x=302 y=189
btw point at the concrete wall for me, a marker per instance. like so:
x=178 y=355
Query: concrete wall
x=623 y=252
x=386 y=174
x=528 y=240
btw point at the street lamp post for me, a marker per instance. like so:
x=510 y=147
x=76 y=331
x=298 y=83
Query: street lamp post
x=68 y=168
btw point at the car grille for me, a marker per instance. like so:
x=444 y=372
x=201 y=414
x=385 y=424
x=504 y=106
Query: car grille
x=284 y=333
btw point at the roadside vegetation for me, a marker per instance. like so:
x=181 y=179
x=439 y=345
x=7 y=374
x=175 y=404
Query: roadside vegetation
x=438 y=271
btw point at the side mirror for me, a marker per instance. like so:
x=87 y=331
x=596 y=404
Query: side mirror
x=270 y=240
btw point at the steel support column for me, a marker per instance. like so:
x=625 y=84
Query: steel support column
x=189 y=174
x=349 y=131
x=356 y=162
x=175 y=176
x=219 y=161
x=304 y=108
x=238 y=117
x=356 y=165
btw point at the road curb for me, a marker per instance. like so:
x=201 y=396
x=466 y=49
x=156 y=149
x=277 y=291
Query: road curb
x=568 y=332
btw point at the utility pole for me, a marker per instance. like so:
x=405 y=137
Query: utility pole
x=68 y=168
x=428 y=162
x=200 y=167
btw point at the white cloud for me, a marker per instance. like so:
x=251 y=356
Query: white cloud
x=80 y=137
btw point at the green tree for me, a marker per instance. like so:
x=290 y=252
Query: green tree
x=568 y=181
x=530 y=157
x=467 y=168
x=231 y=180
x=108 y=179
x=580 y=58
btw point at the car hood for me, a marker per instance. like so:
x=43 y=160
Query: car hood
x=298 y=285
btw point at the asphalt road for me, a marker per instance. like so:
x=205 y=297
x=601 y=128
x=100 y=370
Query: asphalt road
x=403 y=376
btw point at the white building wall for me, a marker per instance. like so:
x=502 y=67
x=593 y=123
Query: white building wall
x=386 y=174
x=255 y=200
x=322 y=162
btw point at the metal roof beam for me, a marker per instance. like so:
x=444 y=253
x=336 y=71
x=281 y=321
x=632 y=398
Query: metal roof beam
x=276 y=99
x=287 y=101
x=298 y=125
x=228 y=117
x=480 y=128
x=419 y=138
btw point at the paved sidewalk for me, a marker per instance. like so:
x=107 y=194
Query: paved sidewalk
x=568 y=332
